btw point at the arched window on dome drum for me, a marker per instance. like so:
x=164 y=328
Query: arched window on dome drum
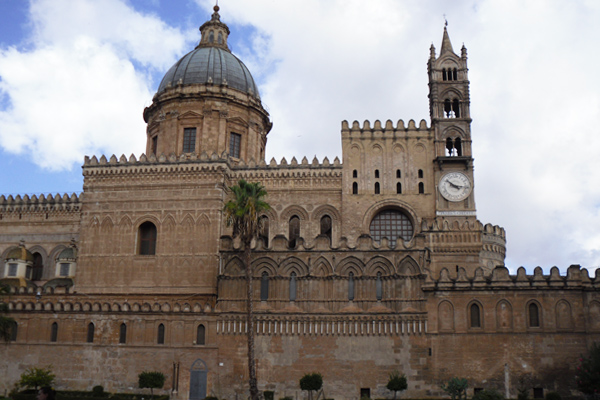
x=534 y=315
x=379 y=287
x=189 y=140
x=351 y=286
x=220 y=38
x=160 y=339
x=211 y=37
x=123 y=333
x=264 y=286
x=38 y=267
x=326 y=226
x=235 y=145
x=294 y=230
x=293 y=288
x=54 y=332
x=90 y=333
x=147 y=239
x=391 y=224
x=201 y=335
x=475 y=316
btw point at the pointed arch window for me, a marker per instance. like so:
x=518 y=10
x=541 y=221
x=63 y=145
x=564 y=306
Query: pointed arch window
x=147 y=239
x=90 y=333
x=379 y=287
x=294 y=230
x=264 y=286
x=351 y=286
x=391 y=224
x=377 y=188
x=201 y=335
x=326 y=226
x=37 y=269
x=54 y=332
x=421 y=188
x=293 y=286
x=475 y=315
x=355 y=188
x=160 y=337
x=123 y=333
x=398 y=188
x=534 y=315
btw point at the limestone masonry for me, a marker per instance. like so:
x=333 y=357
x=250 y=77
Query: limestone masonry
x=365 y=266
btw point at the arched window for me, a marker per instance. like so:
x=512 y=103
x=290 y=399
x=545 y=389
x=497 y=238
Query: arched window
x=293 y=286
x=391 y=224
x=160 y=339
x=351 y=286
x=421 y=188
x=456 y=108
x=420 y=173
x=377 y=189
x=201 y=335
x=376 y=173
x=123 y=333
x=264 y=286
x=220 y=38
x=458 y=146
x=355 y=188
x=534 y=315
x=379 y=287
x=454 y=74
x=355 y=174
x=475 y=316
x=398 y=174
x=147 y=239
x=38 y=267
x=294 y=230
x=444 y=74
x=448 y=113
x=90 y=333
x=264 y=230
x=54 y=332
x=326 y=226
x=398 y=188
x=211 y=37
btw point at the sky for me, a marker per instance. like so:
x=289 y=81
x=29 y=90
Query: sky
x=75 y=76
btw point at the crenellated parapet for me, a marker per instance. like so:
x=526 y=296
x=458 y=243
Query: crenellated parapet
x=40 y=204
x=388 y=131
x=500 y=279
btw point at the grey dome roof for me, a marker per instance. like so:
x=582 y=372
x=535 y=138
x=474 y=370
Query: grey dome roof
x=210 y=65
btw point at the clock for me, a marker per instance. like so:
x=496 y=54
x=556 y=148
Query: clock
x=455 y=186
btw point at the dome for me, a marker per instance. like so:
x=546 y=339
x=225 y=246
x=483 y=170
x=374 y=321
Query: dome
x=20 y=253
x=210 y=65
x=70 y=253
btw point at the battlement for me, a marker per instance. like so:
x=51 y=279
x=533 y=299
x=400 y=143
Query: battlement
x=41 y=203
x=357 y=131
x=500 y=279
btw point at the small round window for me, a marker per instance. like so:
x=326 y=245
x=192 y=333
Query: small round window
x=391 y=224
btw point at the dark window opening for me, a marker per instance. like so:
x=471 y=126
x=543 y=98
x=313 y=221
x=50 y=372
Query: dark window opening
x=458 y=146
x=13 y=331
x=154 y=148
x=451 y=108
x=376 y=173
x=398 y=188
x=421 y=188
x=65 y=269
x=147 y=238
x=293 y=286
x=123 y=333
x=264 y=286
x=377 y=189
x=326 y=226
x=54 y=332
x=420 y=173
x=379 y=287
x=12 y=269
x=161 y=334
x=294 y=231
x=398 y=174
x=235 y=145
x=355 y=174
x=453 y=147
x=201 y=335
x=430 y=351
x=391 y=224
x=477 y=390
x=351 y=286
x=38 y=267
x=189 y=140
x=454 y=74
x=475 y=316
x=456 y=108
x=365 y=393
x=220 y=38
x=444 y=75
x=534 y=315
x=90 y=333
x=264 y=230
x=355 y=188
x=211 y=37
x=538 y=393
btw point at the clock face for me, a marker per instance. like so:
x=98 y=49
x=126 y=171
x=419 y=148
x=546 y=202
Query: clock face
x=455 y=186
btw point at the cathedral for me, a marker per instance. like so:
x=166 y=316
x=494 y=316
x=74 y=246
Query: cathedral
x=364 y=266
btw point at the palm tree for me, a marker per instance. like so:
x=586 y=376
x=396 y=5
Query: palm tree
x=6 y=323
x=242 y=212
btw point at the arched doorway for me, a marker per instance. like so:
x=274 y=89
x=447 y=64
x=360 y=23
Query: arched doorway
x=198 y=373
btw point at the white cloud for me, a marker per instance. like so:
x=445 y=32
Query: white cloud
x=76 y=91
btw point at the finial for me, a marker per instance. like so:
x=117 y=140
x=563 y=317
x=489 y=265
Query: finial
x=445 y=21
x=216 y=7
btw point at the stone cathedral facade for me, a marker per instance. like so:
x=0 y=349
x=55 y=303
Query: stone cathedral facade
x=366 y=266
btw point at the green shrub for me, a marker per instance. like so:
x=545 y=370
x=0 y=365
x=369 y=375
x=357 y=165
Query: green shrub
x=456 y=388
x=553 y=396
x=35 y=378
x=523 y=394
x=396 y=383
x=269 y=394
x=488 y=394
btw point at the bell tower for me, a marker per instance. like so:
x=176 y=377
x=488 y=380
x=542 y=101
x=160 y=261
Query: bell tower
x=451 y=124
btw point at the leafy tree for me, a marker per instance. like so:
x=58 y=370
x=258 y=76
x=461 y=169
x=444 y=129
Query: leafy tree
x=37 y=377
x=588 y=372
x=488 y=394
x=311 y=382
x=6 y=323
x=152 y=380
x=242 y=212
x=456 y=388
x=397 y=383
